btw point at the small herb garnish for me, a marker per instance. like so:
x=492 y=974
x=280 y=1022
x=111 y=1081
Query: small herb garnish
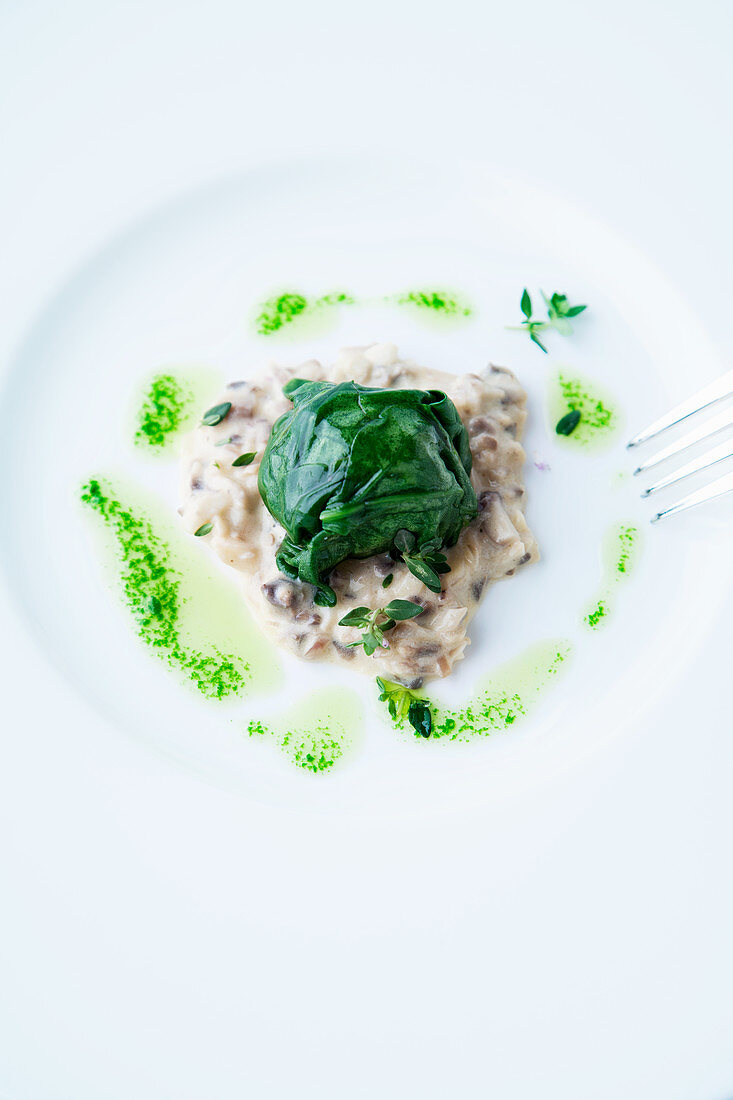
x=402 y=703
x=559 y=312
x=204 y=529
x=424 y=563
x=215 y=414
x=224 y=442
x=375 y=622
x=388 y=580
x=567 y=424
x=244 y=460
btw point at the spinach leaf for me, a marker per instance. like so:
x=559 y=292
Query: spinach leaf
x=349 y=467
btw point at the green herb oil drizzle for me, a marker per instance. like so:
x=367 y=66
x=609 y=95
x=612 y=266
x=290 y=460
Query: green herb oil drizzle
x=439 y=302
x=316 y=734
x=282 y=310
x=598 y=419
x=167 y=406
x=503 y=699
x=165 y=409
x=619 y=557
x=151 y=588
x=292 y=307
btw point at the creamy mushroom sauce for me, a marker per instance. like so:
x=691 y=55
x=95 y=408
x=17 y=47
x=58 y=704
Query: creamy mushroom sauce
x=246 y=537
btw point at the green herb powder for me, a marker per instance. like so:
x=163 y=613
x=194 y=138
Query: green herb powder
x=504 y=697
x=435 y=301
x=619 y=557
x=165 y=408
x=151 y=591
x=281 y=310
x=318 y=732
x=600 y=612
x=597 y=421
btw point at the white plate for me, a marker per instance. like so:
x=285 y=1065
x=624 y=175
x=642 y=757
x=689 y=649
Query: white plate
x=179 y=290
x=291 y=938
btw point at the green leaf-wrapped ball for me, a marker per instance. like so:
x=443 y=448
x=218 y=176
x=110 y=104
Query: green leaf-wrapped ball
x=349 y=466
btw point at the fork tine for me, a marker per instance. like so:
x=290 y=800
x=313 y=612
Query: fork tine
x=718 y=488
x=708 y=395
x=709 y=427
x=704 y=462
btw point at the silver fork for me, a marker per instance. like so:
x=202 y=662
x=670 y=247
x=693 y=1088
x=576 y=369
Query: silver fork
x=707 y=429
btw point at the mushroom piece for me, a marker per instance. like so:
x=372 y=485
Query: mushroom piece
x=499 y=527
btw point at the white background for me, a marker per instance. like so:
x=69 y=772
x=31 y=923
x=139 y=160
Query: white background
x=603 y=967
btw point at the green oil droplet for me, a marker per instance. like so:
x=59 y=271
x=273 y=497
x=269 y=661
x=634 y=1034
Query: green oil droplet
x=294 y=313
x=599 y=419
x=619 y=554
x=434 y=305
x=188 y=617
x=167 y=405
x=506 y=696
x=502 y=699
x=316 y=734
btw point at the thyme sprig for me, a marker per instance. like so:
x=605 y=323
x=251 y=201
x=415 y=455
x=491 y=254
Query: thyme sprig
x=425 y=562
x=375 y=622
x=404 y=704
x=559 y=312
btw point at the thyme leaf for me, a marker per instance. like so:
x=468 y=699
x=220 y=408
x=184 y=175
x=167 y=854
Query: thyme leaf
x=215 y=414
x=403 y=609
x=204 y=529
x=567 y=424
x=246 y=459
x=425 y=562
